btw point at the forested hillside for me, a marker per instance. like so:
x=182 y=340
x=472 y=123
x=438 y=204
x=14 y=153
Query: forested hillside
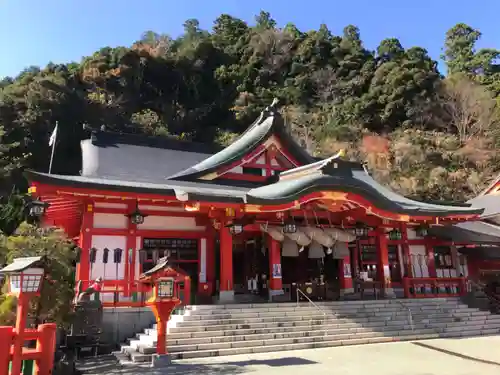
x=428 y=135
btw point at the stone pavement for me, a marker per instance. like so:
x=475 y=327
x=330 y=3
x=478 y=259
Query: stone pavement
x=481 y=349
x=404 y=358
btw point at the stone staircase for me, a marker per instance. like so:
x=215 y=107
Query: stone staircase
x=216 y=330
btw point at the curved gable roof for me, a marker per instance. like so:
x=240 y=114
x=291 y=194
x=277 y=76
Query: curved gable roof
x=269 y=123
x=339 y=175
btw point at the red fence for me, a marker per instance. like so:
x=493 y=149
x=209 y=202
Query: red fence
x=43 y=354
x=431 y=287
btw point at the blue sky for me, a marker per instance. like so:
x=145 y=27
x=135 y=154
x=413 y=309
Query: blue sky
x=34 y=32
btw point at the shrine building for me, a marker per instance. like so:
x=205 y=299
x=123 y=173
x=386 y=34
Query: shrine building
x=260 y=219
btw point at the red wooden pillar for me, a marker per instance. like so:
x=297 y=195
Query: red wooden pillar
x=345 y=276
x=383 y=270
x=405 y=247
x=6 y=339
x=226 y=292
x=275 y=281
x=211 y=264
x=130 y=256
x=83 y=267
x=203 y=267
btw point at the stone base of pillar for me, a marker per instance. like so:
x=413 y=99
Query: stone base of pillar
x=345 y=291
x=389 y=293
x=276 y=292
x=226 y=296
x=161 y=360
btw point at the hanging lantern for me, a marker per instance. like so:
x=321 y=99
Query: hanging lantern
x=422 y=231
x=289 y=226
x=136 y=217
x=37 y=208
x=360 y=230
x=235 y=227
x=395 y=235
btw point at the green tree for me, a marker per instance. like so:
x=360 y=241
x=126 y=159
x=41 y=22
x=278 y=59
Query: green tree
x=54 y=304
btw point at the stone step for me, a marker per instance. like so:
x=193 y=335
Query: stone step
x=334 y=328
x=415 y=301
x=370 y=316
x=253 y=328
x=366 y=322
x=300 y=332
x=244 y=335
x=194 y=311
x=306 y=311
x=140 y=357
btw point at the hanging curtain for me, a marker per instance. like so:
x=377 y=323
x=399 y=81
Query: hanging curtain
x=340 y=250
x=290 y=248
x=316 y=250
x=275 y=232
x=318 y=235
x=340 y=235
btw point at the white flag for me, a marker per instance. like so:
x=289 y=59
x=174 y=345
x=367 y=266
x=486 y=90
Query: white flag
x=52 y=138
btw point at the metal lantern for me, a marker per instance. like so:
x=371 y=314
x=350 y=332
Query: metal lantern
x=136 y=217
x=37 y=208
x=395 y=235
x=360 y=230
x=235 y=227
x=289 y=226
x=165 y=287
x=25 y=275
x=422 y=231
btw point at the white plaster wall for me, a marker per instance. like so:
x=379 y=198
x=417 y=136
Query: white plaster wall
x=110 y=205
x=138 y=246
x=110 y=221
x=261 y=160
x=170 y=223
x=108 y=271
x=412 y=235
x=146 y=207
x=238 y=169
x=203 y=261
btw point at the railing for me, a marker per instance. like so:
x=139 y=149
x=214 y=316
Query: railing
x=430 y=287
x=42 y=355
x=118 y=293
x=410 y=315
x=299 y=292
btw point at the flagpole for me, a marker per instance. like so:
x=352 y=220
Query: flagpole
x=53 y=149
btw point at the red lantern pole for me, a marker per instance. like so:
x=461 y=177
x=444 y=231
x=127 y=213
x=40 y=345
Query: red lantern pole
x=22 y=314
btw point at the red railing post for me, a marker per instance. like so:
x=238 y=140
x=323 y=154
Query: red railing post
x=187 y=291
x=6 y=339
x=406 y=286
x=462 y=286
x=46 y=347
